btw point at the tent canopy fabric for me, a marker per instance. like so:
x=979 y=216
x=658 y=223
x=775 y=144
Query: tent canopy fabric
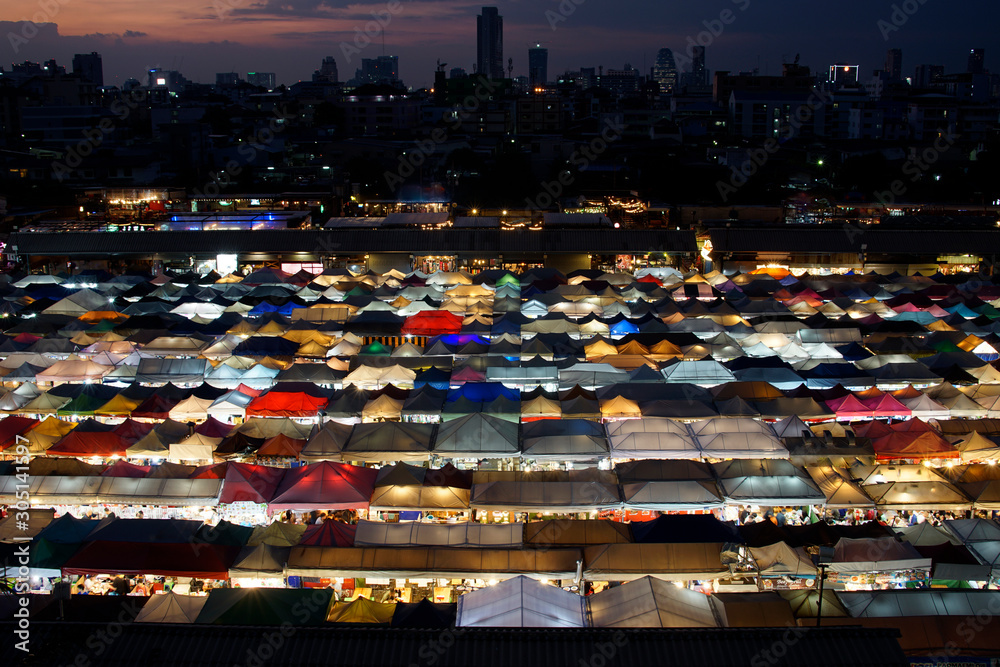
x=521 y=602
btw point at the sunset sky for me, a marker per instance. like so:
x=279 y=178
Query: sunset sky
x=290 y=37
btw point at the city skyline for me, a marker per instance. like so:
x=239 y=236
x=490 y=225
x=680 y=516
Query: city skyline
x=290 y=39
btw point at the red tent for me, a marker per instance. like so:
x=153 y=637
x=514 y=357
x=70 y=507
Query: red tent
x=165 y=547
x=649 y=278
x=467 y=374
x=213 y=428
x=102 y=444
x=886 y=406
x=132 y=430
x=155 y=407
x=285 y=404
x=432 y=323
x=913 y=425
x=281 y=445
x=123 y=468
x=329 y=534
x=250 y=483
x=913 y=445
x=325 y=485
x=249 y=391
x=211 y=471
x=849 y=407
x=11 y=427
x=873 y=429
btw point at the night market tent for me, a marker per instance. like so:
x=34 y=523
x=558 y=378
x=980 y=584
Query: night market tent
x=266 y=606
x=79 y=443
x=651 y=437
x=671 y=562
x=158 y=370
x=805 y=603
x=261 y=561
x=416 y=534
x=195 y=447
x=277 y=534
x=781 y=560
x=570 y=491
x=981 y=537
x=285 y=404
x=389 y=441
x=671 y=485
x=910 y=487
x=737 y=438
x=840 y=492
x=171 y=608
x=85 y=490
x=575 y=532
x=708 y=373
x=563 y=440
x=936 y=602
x=477 y=436
x=404 y=487
x=766 y=482
x=521 y=602
x=361 y=610
x=975 y=447
x=264 y=428
x=74 y=370
x=162 y=547
x=329 y=534
x=15 y=528
x=878 y=554
x=432 y=562
x=654 y=603
x=325 y=485
x=913 y=445
x=327 y=443
x=245 y=482
x=192 y=408
x=424 y=614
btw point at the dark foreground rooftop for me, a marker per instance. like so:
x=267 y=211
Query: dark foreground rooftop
x=191 y=645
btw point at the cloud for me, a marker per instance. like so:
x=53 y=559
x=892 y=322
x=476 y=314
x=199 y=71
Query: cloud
x=134 y=33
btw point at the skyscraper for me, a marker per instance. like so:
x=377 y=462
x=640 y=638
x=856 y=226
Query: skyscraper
x=327 y=71
x=89 y=67
x=665 y=71
x=699 y=75
x=265 y=79
x=977 y=58
x=894 y=65
x=489 y=43
x=538 y=66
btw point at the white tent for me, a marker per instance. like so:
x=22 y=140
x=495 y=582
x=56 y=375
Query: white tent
x=779 y=559
x=741 y=438
x=654 y=603
x=928 y=602
x=651 y=437
x=521 y=603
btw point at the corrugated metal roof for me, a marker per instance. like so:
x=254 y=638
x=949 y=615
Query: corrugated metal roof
x=351 y=241
x=850 y=238
x=155 y=645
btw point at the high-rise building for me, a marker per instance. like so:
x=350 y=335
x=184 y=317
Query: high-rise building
x=925 y=75
x=538 y=66
x=227 y=78
x=665 y=71
x=699 y=74
x=89 y=67
x=383 y=69
x=621 y=81
x=894 y=65
x=489 y=43
x=977 y=61
x=327 y=71
x=457 y=73
x=263 y=79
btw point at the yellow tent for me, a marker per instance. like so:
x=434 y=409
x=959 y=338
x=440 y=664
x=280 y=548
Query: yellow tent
x=361 y=611
x=620 y=407
x=47 y=433
x=119 y=405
